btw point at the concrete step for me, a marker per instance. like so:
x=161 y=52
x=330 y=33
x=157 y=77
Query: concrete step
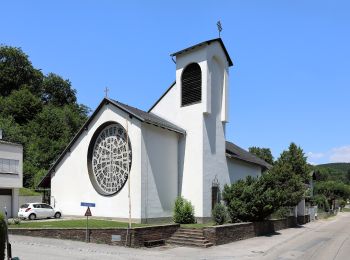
x=191 y=244
x=191 y=239
x=190 y=231
x=183 y=235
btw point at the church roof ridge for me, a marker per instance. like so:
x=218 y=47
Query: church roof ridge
x=208 y=42
x=236 y=152
x=148 y=117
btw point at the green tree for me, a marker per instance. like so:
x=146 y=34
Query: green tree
x=289 y=185
x=48 y=134
x=22 y=105
x=11 y=130
x=255 y=199
x=295 y=159
x=333 y=190
x=57 y=91
x=262 y=153
x=16 y=70
x=41 y=112
x=322 y=202
x=252 y=199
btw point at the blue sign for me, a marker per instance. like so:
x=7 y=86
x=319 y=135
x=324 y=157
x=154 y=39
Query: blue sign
x=87 y=204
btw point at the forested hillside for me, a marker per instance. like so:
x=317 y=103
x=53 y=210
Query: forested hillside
x=39 y=111
x=335 y=171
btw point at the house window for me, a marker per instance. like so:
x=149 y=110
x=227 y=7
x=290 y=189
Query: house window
x=9 y=166
x=191 y=80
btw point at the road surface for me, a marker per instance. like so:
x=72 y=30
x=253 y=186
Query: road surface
x=321 y=240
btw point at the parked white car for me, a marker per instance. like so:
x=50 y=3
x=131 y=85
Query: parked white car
x=38 y=210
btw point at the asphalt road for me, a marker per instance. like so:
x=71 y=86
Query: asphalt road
x=325 y=239
x=329 y=241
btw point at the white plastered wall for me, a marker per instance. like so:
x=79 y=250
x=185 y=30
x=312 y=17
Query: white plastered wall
x=159 y=171
x=239 y=170
x=202 y=150
x=190 y=118
x=12 y=152
x=70 y=184
x=214 y=140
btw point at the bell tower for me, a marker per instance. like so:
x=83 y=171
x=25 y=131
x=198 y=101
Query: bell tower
x=198 y=103
x=212 y=60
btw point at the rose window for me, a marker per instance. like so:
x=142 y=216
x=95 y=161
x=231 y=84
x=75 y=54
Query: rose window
x=110 y=159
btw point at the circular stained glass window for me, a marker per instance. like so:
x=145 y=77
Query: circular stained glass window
x=109 y=158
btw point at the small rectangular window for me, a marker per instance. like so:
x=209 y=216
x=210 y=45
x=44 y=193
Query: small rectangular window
x=6 y=165
x=9 y=166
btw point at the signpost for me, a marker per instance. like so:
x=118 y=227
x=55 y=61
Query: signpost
x=87 y=204
x=87 y=215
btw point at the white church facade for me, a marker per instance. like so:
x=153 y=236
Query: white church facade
x=177 y=148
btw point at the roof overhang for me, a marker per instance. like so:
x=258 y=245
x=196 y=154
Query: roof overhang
x=219 y=40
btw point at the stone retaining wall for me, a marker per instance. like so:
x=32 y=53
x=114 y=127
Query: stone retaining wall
x=138 y=236
x=232 y=232
x=303 y=219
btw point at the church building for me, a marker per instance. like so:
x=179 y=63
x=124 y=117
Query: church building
x=176 y=148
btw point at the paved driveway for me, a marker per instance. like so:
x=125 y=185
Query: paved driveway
x=326 y=239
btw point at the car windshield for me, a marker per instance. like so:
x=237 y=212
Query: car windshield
x=24 y=206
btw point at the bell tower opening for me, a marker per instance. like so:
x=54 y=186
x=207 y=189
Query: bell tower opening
x=191 y=87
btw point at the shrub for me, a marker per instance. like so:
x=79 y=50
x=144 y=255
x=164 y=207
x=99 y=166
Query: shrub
x=183 y=211
x=219 y=214
x=2 y=236
x=321 y=202
x=17 y=221
x=251 y=199
x=14 y=221
x=342 y=203
x=281 y=213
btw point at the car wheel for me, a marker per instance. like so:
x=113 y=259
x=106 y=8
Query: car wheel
x=57 y=215
x=32 y=216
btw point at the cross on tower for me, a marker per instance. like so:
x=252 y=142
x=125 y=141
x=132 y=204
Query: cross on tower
x=106 y=91
x=218 y=24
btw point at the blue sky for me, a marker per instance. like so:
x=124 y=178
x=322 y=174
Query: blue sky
x=290 y=82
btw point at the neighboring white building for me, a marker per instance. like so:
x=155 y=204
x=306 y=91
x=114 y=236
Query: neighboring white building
x=11 y=176
x=177 y=148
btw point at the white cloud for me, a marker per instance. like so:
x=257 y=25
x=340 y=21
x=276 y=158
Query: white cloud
x=340 y=154
x=337 y=154
x=312 y=156
x=312 y=163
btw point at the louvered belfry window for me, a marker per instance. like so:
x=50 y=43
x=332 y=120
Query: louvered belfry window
x=191 y=91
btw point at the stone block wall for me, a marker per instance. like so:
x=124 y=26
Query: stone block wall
x=228 y=233
x=137 y=237
x=303 y=219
